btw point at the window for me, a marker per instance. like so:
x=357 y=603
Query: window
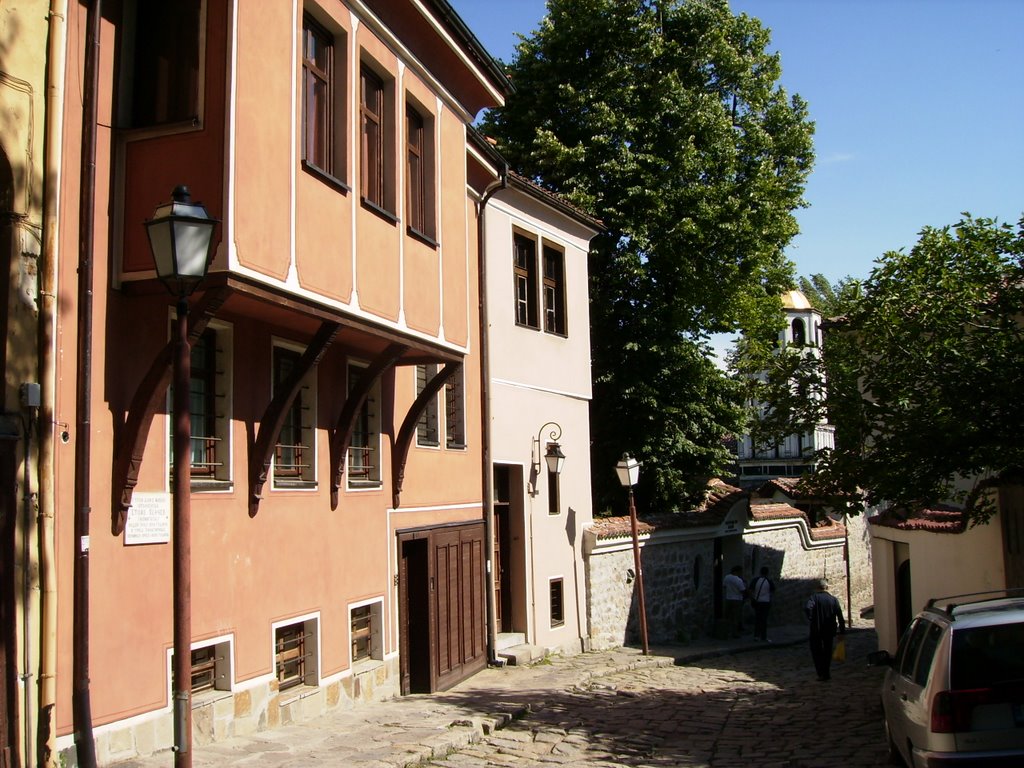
x=799 y=332
x=426 y=429
x=365 y=625
x=554 y=502
x=554 y=291
x=364 y=449
x=454 y=409
x=525 y=271
x=209 y=388
x=160 y=63
x=295 y=654
x=317 y=97
x=211 y=668
x=557 y=606
x=372 y=130
x=294 y=453
x=419 y=174
x=415 y=179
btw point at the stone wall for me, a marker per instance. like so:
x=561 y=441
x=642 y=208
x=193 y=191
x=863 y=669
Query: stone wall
x=219 y=715
x=679 y=573
x=678 y=591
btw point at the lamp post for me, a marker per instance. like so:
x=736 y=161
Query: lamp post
x=628 y=470
x=553 y=456
x=181 y=236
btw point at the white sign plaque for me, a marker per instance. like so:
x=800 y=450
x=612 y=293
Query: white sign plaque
x=149 y=519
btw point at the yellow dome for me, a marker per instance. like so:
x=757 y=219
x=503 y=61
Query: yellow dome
x=795 y=300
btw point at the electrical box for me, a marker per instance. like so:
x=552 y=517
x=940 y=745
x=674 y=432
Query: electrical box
x=31 y=396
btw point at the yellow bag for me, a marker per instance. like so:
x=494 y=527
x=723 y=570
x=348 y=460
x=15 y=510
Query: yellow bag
x=839 y=652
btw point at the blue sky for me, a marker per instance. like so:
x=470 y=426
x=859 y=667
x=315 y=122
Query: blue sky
x=918 y=105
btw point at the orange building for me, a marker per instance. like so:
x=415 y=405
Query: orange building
x=337 y=524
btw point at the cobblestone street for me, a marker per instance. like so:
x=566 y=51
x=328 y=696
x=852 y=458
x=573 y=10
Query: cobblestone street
x=763 y=709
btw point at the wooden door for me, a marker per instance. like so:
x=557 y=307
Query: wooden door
x=502 y=562
x=458 y=604
x=8 y=635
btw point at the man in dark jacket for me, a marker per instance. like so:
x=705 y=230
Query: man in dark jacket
x=826 y=617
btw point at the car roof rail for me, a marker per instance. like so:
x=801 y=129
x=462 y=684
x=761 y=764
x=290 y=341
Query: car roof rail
x=993 y=594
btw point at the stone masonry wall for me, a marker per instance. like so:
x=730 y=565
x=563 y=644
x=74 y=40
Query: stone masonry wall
x=679 y=589
x=678 y=593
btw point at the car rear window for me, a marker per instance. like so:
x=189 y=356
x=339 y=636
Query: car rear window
x=986 y=656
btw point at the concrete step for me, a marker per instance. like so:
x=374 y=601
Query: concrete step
x=508 y=640
x=522 y=655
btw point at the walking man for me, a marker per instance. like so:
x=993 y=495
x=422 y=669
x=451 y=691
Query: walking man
x=826 y=617
x=734 y=589
x=762 y=589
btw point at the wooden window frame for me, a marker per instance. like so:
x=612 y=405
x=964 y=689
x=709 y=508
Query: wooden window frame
x=163 y=72
x=318 y=143
x=360 y=468
x=415 y=170
x=372 y=138
x=361 y=629
x=294 y=654
x=553 y=281
x=524 y=268
x=295 y=450
x=455 y=411
x=556 y=602
x=427 y=429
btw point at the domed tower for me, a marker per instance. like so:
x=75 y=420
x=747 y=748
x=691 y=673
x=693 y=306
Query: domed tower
x=794 y=455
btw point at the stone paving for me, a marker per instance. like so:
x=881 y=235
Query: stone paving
x=765 y=709
x=712 y=703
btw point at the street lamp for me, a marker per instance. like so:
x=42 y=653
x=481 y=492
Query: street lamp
x=553 y=456
x=181 y=236
x=628 y=470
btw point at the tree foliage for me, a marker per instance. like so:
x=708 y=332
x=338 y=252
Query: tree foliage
x=924 y=373
x=665 y=120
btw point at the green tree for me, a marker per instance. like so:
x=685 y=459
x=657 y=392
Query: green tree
x=665 y=120
x=924 y=373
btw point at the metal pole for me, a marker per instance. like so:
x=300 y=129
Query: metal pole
x=639 y=572
x=182 y=551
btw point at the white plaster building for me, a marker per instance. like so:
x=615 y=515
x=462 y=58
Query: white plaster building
x=538 y=396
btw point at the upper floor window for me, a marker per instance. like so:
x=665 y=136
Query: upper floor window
x=376 y=153
x=419 y=174
x=525 y=276
x=160 y=63
x=799 y=332
x=323 y=110
x=294 y=452
x=554 y=291
x=426 y=428
x=455 y=415
x=209 y=388
x=364 y=447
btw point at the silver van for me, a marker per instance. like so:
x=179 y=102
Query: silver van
x=954 y=691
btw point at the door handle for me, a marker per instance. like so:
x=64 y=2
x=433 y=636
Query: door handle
x=903 y=697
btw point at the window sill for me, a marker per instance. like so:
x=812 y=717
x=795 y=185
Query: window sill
x=293 y=694
x=559 y=334
x=423 y=237
x=208 y=698
x=295 y=485
x=456 y=446
x=527 y=326
x=374 y=208
x=329 y=179
x=364 y=485
x=212 y=486
x=363 y=666
x=189 y=125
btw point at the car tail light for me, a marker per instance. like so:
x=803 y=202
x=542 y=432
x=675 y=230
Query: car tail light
x=952 y=711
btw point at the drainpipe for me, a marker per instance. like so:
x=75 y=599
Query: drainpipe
x=81 y=707
x=485 y=414
x=55 y=64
